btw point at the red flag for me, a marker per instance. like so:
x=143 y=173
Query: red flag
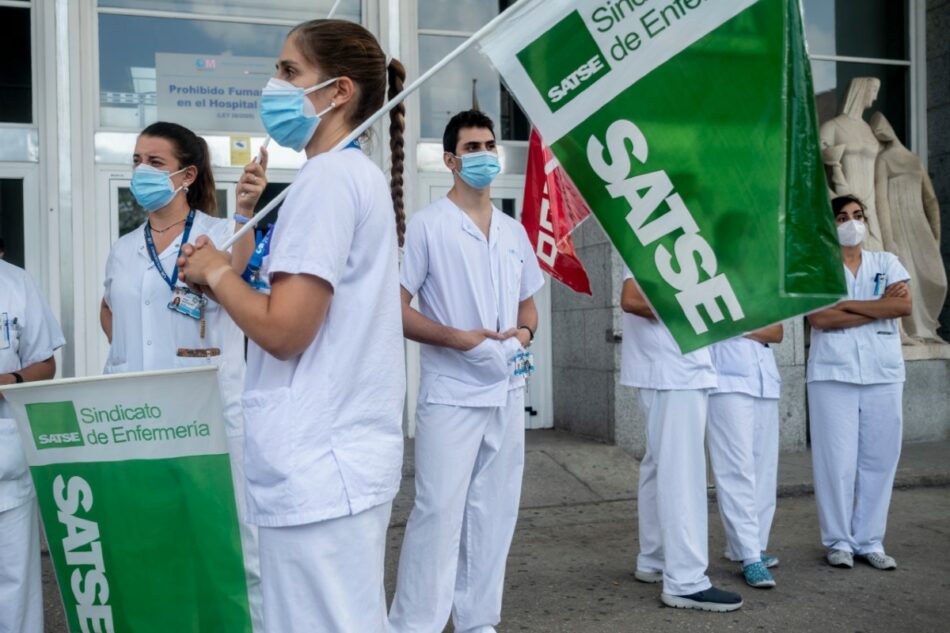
x=553 y=208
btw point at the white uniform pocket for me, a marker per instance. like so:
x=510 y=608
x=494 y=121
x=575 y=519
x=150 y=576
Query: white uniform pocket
x=269 y=455
x=889 y=353
x=486 y=363
x=730 y=361
x=12 y=459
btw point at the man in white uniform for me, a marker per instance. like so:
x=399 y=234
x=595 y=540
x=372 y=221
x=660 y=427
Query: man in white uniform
x=28 y=337
x=674 y=394
x=475 y=273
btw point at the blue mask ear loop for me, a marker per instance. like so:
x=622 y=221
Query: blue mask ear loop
x=461 y=164
x=320 y=85
x=175 y=173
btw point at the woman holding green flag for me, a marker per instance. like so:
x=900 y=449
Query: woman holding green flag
x=324 y=423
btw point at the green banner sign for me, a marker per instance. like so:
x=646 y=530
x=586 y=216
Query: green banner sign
x=134 y=486
x=689 y=127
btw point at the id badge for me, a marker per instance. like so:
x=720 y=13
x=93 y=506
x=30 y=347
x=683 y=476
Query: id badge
x=258 y=283
x=186 y=302
x=524 y=364
x=6 y=334
x=880 y=284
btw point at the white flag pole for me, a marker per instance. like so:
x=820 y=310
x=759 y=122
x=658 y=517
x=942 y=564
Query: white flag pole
x=336 y=5
x=395 y=101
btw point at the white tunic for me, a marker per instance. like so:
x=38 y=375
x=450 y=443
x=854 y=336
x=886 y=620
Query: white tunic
x=746 y=366
x=324 y=429
x=28 y=334
x=651 y=359
x=146 y=334
x=868 y=354
x=468 y=282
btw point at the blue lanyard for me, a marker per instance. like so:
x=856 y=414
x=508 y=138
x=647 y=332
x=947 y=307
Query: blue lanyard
x=150 y=244
x=263 y=248
x=257 y=257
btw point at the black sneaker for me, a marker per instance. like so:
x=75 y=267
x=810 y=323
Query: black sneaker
x=710 y=600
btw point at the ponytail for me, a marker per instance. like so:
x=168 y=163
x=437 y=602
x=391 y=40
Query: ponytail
x=397 y=146
x=201 y=193
x=190 y=149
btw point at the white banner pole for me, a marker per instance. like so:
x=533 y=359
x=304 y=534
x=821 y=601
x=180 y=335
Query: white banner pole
x=356 y=133
x=336 y=5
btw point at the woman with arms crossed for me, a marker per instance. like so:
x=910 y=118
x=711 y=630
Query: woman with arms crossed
x=855 y=387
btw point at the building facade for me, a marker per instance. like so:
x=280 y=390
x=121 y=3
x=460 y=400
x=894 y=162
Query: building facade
x=82 y=77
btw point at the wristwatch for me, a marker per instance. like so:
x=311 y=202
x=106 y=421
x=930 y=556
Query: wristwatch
x=530 y=333
x=16 y=377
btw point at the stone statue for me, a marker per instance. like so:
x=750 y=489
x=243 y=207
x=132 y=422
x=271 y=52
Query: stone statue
x=909 y=217
x=849 y=139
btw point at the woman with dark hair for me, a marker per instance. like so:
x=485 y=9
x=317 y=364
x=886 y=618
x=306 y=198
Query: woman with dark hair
x=152 y=320
x=326 y=375
x=855 y=387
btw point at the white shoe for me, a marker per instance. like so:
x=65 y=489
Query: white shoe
x=648 y=576
x=840 y=558
x=879 y=560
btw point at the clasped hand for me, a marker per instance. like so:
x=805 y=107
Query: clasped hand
x=469 y=339
x=202 y=265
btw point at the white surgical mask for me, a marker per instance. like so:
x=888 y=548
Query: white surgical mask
x=852 y=232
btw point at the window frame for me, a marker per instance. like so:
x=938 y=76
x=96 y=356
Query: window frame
x=416 y=33
x=916 y=64
x=30 y=6
x=173 y=15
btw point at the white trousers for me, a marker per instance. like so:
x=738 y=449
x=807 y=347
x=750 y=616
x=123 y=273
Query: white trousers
x=672 y=504
x=469 y=463
x=21 y=585
x=855 y=446
x=249 y=544
x=326 y=577
x=742 y=435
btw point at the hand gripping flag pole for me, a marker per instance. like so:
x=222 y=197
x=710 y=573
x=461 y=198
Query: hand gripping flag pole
x=395 y=101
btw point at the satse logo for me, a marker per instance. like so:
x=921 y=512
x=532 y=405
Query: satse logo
x=54 y=425
x=573 y=81
x=82 y=549
x=564 y=61
x=656 y=210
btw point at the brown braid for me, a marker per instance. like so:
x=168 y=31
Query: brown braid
x=397 y=146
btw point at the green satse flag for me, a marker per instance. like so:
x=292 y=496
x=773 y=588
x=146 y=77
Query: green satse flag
x=689 y=127
x=134 y=486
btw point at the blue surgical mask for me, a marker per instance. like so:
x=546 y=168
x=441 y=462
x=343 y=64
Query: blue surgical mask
x=287 y=113
x=153 y=187
x=479 y=168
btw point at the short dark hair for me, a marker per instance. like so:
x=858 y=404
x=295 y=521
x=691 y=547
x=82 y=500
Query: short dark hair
x=464 y=119
x=840 y=202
